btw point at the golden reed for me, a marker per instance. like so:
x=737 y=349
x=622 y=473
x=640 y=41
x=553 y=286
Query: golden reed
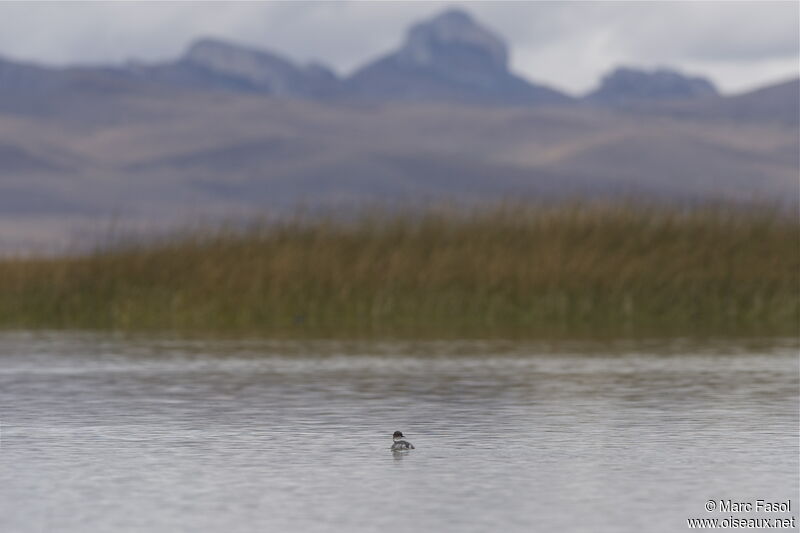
x=571 y=269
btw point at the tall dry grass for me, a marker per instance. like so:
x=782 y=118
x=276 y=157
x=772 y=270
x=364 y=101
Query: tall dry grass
x=565 y=270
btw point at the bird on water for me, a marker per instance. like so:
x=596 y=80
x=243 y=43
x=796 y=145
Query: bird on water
x=399 y=443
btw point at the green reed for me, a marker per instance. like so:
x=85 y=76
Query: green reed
x=567 y=270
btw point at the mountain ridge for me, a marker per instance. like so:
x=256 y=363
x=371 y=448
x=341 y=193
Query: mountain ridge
x=449 y=57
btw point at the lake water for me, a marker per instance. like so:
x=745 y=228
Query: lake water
x=113 y=434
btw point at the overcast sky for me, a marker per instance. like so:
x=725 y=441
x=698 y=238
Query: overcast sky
x=739 y=45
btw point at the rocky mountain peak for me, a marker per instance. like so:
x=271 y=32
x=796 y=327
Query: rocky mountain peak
x=625 y=85
x=429 y=42
x=223 y=56
x=451 y=58
x=260 y=70
x=206 y=49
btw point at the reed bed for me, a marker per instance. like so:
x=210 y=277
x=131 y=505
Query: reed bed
x=566 y=270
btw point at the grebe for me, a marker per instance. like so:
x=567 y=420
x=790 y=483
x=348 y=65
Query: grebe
x=400 y=444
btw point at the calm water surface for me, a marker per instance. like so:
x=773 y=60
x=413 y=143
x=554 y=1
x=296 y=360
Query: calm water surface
x=108 y=434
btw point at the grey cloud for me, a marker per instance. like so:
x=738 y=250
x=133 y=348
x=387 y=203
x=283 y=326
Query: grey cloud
x=713 y=32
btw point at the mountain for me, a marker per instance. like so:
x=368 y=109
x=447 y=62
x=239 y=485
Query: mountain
x=778 y=103
x=449 y=58
x=34 y=90
x=216 y=64
x=226 y=131
x=628 y=85
x=20 y=77
x=452 y=58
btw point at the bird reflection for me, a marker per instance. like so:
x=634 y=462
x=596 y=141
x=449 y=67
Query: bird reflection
x=399 y=455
